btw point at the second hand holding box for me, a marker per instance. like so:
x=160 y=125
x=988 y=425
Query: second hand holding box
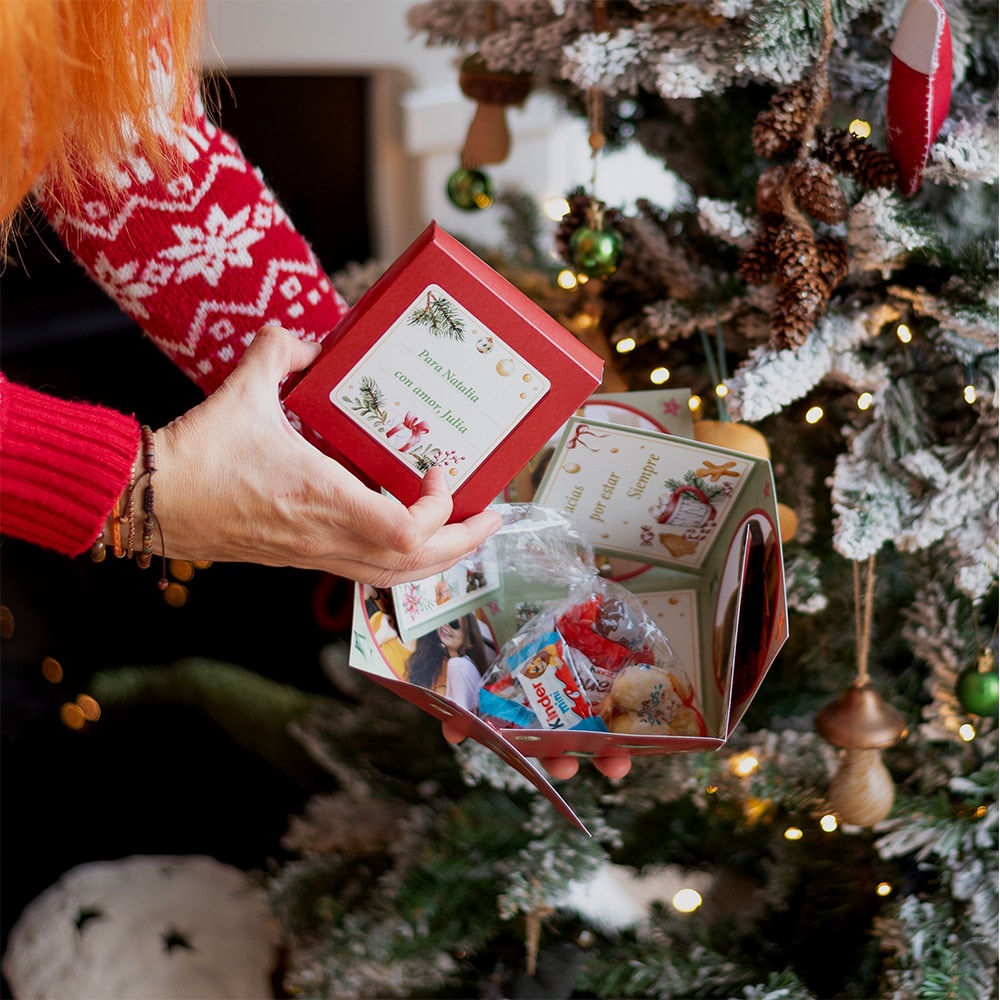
x=443 y=362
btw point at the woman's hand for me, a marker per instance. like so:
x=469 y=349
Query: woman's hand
x=235 y=482
x=561 y=767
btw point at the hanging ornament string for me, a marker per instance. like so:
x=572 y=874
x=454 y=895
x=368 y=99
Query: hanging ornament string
x=595 y=248
x=596 y=140
x=864 y=601
x=595 y=121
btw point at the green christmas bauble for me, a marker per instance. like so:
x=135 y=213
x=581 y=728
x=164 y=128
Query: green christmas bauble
x=596 y=252
x=470 y=190
x=978 y=686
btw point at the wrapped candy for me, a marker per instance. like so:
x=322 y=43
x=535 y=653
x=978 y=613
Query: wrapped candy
x=652 y=700
x=589 y=659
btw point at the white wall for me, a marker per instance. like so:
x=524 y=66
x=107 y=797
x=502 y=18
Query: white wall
x=420 y=116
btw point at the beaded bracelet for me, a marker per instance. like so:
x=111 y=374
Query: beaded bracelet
x=150 y=522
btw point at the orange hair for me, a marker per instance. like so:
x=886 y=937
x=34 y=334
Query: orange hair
x=76 y=86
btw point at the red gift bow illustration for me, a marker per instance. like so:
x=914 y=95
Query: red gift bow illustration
x=414 y=425
x=578 y=434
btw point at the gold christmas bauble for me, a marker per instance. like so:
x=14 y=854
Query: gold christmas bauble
x=788 y=522
x=732 y=435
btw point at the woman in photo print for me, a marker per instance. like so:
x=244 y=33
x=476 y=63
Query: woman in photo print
x=451 y=660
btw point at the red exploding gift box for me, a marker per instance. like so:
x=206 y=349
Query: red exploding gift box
x=443 y=362
x=688 y=528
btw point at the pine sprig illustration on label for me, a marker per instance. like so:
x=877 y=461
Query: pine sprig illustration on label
x=712 y=491
x=440 y=316
x=370 y=401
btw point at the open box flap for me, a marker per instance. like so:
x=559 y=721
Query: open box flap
x=761 y=615
x=365 y=656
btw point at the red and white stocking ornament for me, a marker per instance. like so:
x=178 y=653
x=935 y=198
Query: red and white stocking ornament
x=919 y=88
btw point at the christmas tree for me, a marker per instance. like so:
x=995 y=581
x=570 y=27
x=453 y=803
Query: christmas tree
x=828 y=276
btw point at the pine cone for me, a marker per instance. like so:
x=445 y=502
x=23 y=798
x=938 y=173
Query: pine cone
x=796 y=311
x=839 y=149
x=850 y=155
x=832 y=255
x=875 y=169
x=795 y=253
x=769 y=188
x=758 y=263
x=778 y=128
x=816 y=190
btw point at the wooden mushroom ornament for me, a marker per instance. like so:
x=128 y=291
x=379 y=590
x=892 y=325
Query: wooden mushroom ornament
x=488 y=138
x=863 y=724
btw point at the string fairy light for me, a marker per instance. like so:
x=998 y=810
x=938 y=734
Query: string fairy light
x=686 y=900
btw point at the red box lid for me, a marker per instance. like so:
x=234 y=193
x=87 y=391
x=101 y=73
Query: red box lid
x=443 y=362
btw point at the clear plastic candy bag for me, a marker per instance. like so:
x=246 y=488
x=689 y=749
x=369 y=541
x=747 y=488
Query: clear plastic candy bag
x=591 y=658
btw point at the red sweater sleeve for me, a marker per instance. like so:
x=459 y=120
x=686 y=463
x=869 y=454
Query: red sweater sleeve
x=63 y=466
x=200 y=261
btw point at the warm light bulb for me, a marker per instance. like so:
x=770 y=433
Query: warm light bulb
x=745 y=764
x=865 y=401
x=793 y=833
x=969 y=394
x=555 y=208
x=860 y=128
x=52 y=670
x=814 y=414
x=712 y=789
x=686 y=900
x=176 y=595
x=659 y=375
x=828 y=823
x=625 y=345
x=980 y=812
x=89 y=706
x=967 y=732
x=694 y=403
x=722 y=390
x=181 y=569
x=72 y=716
x=566 y=280
x=883 y=888
x=904 y=333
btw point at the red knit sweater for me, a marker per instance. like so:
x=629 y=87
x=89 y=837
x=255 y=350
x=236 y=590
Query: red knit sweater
x=201 y=262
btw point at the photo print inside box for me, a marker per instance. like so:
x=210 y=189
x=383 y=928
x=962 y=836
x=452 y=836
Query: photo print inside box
x=441 y=387
x=421 y=605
